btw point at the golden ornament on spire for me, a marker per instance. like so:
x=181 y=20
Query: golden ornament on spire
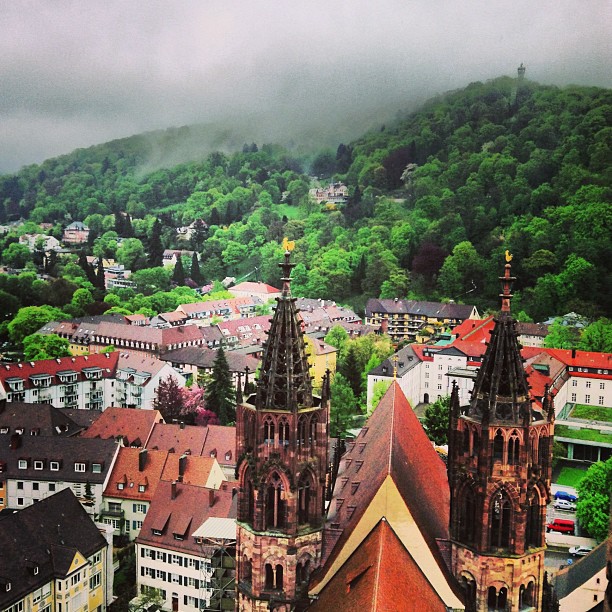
x=288 y=245
x=395 y=360
x=508 y=256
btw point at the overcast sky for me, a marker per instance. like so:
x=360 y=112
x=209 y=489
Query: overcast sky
x=78 y=73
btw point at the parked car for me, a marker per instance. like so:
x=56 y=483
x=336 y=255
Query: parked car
x=562 y=504
x=580 y=551
x=561 y=526
x=566 y=496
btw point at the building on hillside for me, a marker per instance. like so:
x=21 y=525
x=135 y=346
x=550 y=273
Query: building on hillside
x=83 y=382
x=171 y=256
x=261 y=291
x=582 y=585
x=413 y=321
x=138 y=320
x=52 y=555
x=499 y=470
x=336 y=193
x=529 y=334
x=282 y=443
x=35 y=467
x=76 y=233
x=132 y=427
x=205 y=313
x=41 y=242
x=241 y=333
x=169 y=319
x=138 y=378
x=186 y=549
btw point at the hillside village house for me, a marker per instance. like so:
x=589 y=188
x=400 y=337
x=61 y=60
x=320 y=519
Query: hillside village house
x=68 y=566
x=171 y=256
x=203 y=313
x=42 y=241
x=259 y=290
x=76 y=233
x=334 y=192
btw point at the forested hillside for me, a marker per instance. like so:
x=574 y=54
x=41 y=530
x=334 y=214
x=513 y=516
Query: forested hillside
x=436 y=198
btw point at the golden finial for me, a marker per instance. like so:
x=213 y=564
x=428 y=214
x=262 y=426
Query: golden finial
x=508 y=256
x=288 y=245
x=395 y=360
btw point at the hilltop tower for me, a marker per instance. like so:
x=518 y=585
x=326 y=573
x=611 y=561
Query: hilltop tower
x=500 y=467
x=282 y=446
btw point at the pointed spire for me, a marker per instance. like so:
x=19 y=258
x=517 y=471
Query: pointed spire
x=284 y=382
x=239 y=398
x=501 y=392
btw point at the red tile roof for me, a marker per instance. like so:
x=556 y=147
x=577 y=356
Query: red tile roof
x=182 y=515
x=126 y=471
x=222 y=440
x=254 y=287
x=583 y=359
x=134 y=426
x=380 y=575
x=107 y=362
x=197 y=469
x=474 y=330
x=179 y=438
x=393 y=443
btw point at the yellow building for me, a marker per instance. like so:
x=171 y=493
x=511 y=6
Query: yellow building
x=321 y=357
x=53 y=557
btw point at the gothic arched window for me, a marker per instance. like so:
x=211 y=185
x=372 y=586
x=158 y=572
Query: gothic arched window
x=283 y=432
x=247 y=569
x=533 y=531
x=475 y=443
x=498 y=445
x=513 y=448
x=275 y=502
x=304 y=500
x=269 y=583
x=269 y=431
x=501 y=519
x=279 y=578
x=466 y=441
x=302 y=430
x=314 y=421
x=533 y=447
x=467 y=517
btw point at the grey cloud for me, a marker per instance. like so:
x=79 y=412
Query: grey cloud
x=77 y=73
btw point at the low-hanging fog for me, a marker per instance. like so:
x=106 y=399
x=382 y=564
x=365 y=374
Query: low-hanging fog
x=76 y=73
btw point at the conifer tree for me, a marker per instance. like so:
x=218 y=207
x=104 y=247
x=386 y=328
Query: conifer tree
x=220 y=396
x=178 y=276
x=351 y=370
x=156 y=249
x=196 y=275
x=100 y=281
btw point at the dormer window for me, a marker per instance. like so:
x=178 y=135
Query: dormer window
x=156 y=532
x=4 y=430
x=39 y=465
x=54 y=466
x=79 y=467
x=142 y=488
x=228 y=455
x=22 y=464
x=120 y=486
x=96 y=468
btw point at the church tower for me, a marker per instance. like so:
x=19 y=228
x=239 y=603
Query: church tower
x=282 y=446
x=500 y=449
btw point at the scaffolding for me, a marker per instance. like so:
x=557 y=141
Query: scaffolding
x=217 y=539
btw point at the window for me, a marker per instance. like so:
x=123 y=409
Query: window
x=20 y=485
x=160 y=574
x=426 y=374
x=141 y=508
x=96 y=468
x=439 y=376
x=120 y=486
x=427 y=385
x=587 y=399
x=602 y=385
x=137 y=524
x=588 y=384
x=439 y=387
x=75 y=579
x=95 y=581
x=79 y=467
x=51 y=487
x=35 y=486
x=141 y=488
x=54 y=466
x=20 y=501
x=38 y=465
x=573 y=397
x=574 y=383
x=22 y=464
x=601 y=400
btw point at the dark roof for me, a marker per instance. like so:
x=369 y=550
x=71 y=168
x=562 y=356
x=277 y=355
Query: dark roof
x=37 y=419
x=204 y=357
x=406 y=360
x=47 y=534
x=575 y=575
x=380 y=575
x=432 y=310
x=66 y=451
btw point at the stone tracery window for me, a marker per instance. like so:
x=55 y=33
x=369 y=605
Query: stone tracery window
x=501 y=519
x=275 y=502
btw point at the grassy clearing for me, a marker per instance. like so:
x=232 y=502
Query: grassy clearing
x=592 y=413
x=291 y=212
x=570 y=476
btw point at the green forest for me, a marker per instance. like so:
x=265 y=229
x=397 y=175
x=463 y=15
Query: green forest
x=436 y=198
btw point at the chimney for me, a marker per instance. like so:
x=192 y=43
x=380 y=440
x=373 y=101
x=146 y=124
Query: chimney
x=2 y=404
x=573 y=353
x=182 y=424
x=182 y=465
x=15 y=441
x=211 y=498
x=173 y=490
x=142 y=459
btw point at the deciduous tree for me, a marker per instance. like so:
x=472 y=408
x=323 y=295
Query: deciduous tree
x=593 y=507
